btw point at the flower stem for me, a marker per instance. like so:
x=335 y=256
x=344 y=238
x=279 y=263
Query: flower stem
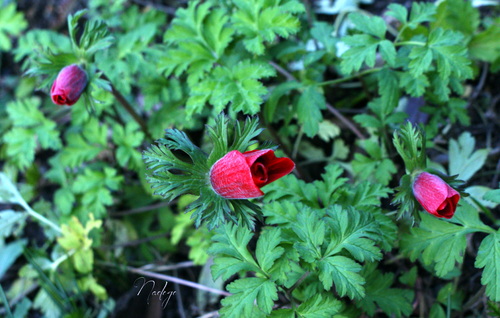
x=348 y=78
x=128 y=107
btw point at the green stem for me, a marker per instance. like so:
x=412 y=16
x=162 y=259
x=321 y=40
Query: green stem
x=61 y=259
x=348 y=78
x=38 y=216
x=410 y=43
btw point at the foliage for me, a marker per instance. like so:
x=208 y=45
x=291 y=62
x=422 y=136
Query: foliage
x=117 y=186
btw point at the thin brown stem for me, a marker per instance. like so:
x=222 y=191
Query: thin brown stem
x=332 y=110
x=128 y=107
x=346 y=121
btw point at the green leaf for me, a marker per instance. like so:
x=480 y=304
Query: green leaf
x=464 y=161
x=493 y=196
x=9 y=253
x=488 y=257
x=438 y=242
x=127 y=139
x=363 y=50
x=328 y=189
x=64 y=200
x=246 y=291
x=392 y=301
x=415 y=86
x=95 y=188
x=421 y=60
x=376 y=167
x=262 y=21
x=353 y=231
x=197 y=39
x=450 y=53
x=83 y=260
x=388 y=52
x=421 y=12
x=230 y=251
x=372 y=25
x=309 y=107
x=10 y=222
x=311 y=235
x=320 y=306
x=275 y=95
x=398 y=11
x=343 y=272
x=238 y=85
x=12 y=23
x=85 y=145
x=457 y=15
x=20 y=146
x=30 y=125
x=485 y=45
x=267 y=250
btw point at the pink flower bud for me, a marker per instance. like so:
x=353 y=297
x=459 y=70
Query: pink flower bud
x=69 y=85
x=241 y=175
x=435 y=195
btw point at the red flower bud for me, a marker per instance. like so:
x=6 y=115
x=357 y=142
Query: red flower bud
x=435 y=195
x=69 y=85
x=241 y=175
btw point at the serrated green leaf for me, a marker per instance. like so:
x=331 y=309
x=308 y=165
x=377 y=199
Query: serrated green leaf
x=12 y=23
x=311 y=235
x=457 y=15
x=389 y=91
x=238 y=86
x=95 y=188
x=309 y=107
x=261 y=21
x=372 y=25
x=320 y=306
x=414 y=86
x=30 y=125
x=198 y=37
x=363 y=50
x=230 y=251
x=388 y=52
x=246 y=291
x=421 y=60
x=421 y=12
x=438 y=242
x=353 y=231
x=267 y=250
x=393 y=301
x=343 y=272
x=127 y=139
x=398 y=11
x=485 y=45
x=376 y=167
x=464 y=161
x=368 y=121
x=488 y=257
x=21 y=145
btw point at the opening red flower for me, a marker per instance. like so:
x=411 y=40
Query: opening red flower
x=69 y=85
x=435 y=195
x=241 y=175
